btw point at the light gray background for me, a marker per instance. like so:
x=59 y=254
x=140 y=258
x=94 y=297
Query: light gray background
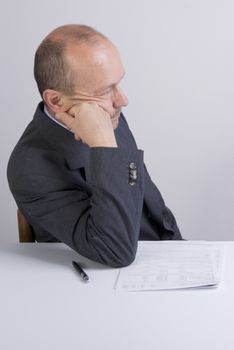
x=179 y=59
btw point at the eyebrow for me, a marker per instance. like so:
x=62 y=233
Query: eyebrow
x=109 y=86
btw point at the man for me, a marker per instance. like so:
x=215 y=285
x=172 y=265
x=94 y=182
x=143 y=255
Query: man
x=76 y=173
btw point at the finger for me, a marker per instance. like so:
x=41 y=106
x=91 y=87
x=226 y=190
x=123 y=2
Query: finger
x=78 y=138
x=65 y=118
x=74 y=110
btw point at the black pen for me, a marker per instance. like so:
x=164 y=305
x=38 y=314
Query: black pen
x=81 y=272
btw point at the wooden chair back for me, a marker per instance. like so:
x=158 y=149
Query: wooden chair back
x=26 y=234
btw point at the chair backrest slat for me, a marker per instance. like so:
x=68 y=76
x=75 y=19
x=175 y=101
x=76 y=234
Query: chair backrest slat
x=26 y=234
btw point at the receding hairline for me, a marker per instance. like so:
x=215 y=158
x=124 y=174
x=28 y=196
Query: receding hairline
x=76 y=34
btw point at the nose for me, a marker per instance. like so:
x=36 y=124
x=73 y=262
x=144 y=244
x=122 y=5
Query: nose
x=119 y=98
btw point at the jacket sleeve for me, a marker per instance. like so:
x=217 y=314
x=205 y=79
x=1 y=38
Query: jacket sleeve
x=104 y=227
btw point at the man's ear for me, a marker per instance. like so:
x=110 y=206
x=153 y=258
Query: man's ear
x=54 y=100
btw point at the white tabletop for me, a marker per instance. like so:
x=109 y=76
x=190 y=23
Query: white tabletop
x=44 y=305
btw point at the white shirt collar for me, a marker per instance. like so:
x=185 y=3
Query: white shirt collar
x=52 y=118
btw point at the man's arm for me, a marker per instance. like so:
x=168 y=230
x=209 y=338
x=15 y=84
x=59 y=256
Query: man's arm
x=104 y=226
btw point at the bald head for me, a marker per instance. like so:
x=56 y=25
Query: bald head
x=52 y=68
x=77 y=34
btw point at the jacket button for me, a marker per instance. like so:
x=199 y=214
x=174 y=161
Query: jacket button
x=132 y=166
x=132 y=173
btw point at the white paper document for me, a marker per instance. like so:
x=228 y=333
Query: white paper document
x=172 y=265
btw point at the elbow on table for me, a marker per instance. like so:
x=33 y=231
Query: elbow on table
x=122 y=260
x=107 y=249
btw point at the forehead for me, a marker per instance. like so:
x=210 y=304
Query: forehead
x=95 y=66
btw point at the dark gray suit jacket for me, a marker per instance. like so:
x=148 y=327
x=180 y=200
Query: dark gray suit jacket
x=99 y=201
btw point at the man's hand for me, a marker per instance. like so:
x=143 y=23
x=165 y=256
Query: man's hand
x=89 y=123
